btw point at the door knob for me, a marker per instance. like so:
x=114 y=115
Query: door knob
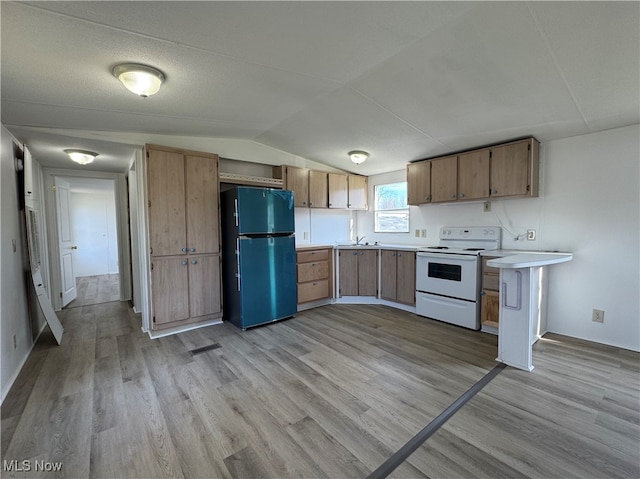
x=74 y=247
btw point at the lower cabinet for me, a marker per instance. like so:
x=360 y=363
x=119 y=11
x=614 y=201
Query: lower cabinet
x=185 y=288
x=490 y=297
x=315 y=273
x=398 y=276
x=358 y=272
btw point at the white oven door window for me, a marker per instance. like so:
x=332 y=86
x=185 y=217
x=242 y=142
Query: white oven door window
x=451 y=275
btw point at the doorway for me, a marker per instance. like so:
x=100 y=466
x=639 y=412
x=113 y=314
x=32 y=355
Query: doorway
x=93 y=229
x=87 y=222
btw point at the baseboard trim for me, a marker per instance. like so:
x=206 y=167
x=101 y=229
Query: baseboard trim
x=22 y=363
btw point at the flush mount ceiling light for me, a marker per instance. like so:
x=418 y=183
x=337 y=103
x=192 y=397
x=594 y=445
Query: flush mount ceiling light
x=358 y=156
x=82 y=157
x=142 y=80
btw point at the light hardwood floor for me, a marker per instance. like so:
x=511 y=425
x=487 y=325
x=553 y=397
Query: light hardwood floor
x=101 y=288
x=331 y=393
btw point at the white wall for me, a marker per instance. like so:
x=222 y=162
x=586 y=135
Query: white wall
x=589 y=205
x=93 y=223
x=15 y=317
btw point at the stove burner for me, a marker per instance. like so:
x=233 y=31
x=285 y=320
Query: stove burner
x=474 y=249
x=438 y=247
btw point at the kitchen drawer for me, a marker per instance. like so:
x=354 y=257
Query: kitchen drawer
x=491 y=281
x=489 y=269
x=313 y=290
x=313 y=271
x=315 y=255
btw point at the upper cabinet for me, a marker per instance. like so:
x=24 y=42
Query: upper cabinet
x=294 y=179
x=473 y=175
x=318 y=189
x=183 y=203
x=505 y=170
x=357 y=192
x=338 y=194
x=419 y=182
x=514 y=169
x=444 y=175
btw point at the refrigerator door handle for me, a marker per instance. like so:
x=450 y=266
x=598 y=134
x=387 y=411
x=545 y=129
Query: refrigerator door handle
x=237 y=255
x=235 y=211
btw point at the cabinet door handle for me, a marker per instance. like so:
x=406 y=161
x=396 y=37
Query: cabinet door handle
x=361 y=253
x=310 y=203
x=461 y=195
x=193 y=261
x=355 y=253
x=193 y=250
x=453 y=195
x=184 y=250
x=184 y=262
x=399 y=254
x=330 y=204
x=393 y=254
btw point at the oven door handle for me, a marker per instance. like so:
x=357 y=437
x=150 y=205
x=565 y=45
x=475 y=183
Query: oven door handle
x=448 y=256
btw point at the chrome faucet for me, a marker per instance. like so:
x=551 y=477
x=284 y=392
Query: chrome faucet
x=359 y=239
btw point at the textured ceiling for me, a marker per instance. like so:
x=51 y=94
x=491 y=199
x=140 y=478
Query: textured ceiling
x=402 y=80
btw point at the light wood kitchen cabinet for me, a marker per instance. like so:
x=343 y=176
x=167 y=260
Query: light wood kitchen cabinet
x=294 y=179
x=310 y=187
x=515 y=169
x=318 y=189
x=357 y=188
x=419 y=183
x=490 y=296
x=338 y=191
x=358 y=272
x=398 y=276
x=185 y=288
x=315 y=274
x=473 y=175
x=184 y=236
x=499 y=171
x=444 y=179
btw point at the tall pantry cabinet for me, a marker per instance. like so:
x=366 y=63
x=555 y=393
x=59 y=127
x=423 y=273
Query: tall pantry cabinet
x=184 y=236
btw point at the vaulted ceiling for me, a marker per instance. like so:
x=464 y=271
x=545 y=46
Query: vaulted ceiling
x=401 y=80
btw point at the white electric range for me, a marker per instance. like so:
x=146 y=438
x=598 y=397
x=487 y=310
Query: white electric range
x=448 y=275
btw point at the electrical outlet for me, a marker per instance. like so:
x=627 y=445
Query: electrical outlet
x=487 y=206
x=423 y=233
x=15 y=342
x=597 y=316
x=531 y=235
x=417 y=233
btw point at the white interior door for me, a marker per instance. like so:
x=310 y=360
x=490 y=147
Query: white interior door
x=65 y=241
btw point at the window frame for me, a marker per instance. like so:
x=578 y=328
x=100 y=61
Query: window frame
x=377 y=210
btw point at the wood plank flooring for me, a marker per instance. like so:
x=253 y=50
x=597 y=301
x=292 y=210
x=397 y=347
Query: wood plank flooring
x=101 y=288
x=331 y=393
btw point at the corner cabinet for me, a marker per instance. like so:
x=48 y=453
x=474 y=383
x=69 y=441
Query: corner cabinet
x=184 y=236
x=358 y=272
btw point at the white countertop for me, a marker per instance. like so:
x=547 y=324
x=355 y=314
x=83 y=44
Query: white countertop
x=402 y=247
x=529 y=259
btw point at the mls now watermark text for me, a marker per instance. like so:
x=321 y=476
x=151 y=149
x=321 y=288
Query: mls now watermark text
x=28 y=465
